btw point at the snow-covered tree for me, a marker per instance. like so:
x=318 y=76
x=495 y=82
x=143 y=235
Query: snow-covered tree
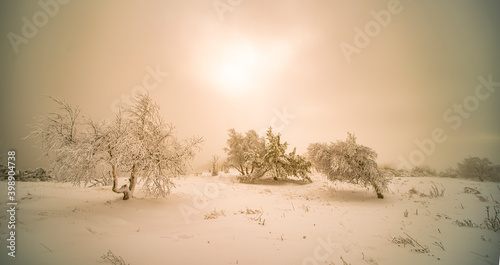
x=243 y=151
x=275 y=160
x=137 y=143
x=476 y=168
x=255 y=156
x=298 y=166
x=281 y=165
x=348 y=161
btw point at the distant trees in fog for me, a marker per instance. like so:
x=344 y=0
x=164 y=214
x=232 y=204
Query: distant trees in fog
x=474 y=168
x=479 y=169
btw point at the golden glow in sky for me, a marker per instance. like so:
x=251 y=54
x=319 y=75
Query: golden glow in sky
x=210 y=75
x=237 y=69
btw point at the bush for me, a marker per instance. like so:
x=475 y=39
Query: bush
x=495 y=173
x=254 y=157
x=449 y=173
x=347 y=161
x=423 y=171
x=478 y=168
x=214 y=164
x=282 y=165
x=389 y=172
x=38 y=174
x=243 y=152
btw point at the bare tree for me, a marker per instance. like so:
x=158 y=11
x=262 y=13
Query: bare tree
x=214 y=163
x=137 y=143
x=348 y=161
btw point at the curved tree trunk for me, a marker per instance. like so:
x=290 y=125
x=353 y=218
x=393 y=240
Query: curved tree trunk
x=378 y=190
x=131 y=187
x=127 y=190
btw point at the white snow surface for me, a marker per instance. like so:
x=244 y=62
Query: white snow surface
x=267 y=222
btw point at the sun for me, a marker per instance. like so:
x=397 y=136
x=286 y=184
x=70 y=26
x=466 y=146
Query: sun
x=233 y=76
x=237 y=68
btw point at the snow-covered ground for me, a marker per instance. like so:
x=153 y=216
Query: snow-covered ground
x=216 y=220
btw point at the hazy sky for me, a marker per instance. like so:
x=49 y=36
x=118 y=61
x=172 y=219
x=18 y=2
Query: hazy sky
x=392 y=72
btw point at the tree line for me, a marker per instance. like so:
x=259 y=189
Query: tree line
x=141 y=146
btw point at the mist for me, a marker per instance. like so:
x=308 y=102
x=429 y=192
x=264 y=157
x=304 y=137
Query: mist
x=414 y=80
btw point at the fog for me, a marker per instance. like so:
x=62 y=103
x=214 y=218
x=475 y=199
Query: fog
x=414 y=80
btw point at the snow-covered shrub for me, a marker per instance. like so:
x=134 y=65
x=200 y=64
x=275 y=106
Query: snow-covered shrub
x=449 y=173
x=495 y=173
x=390 y=172
x=423 y=171
x=478 y=168
x=38 y=174
x=255 y=156
x=244 y=151
x=214 y=164
x=137 y=143
x=281 y=165
x=348 y=161
x=298 y=166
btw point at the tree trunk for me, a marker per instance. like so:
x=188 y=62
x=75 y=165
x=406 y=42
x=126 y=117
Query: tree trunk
x=277 y=175
x=115 y=181
x=131 y=186
x=378 y=191
x=127 y=190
